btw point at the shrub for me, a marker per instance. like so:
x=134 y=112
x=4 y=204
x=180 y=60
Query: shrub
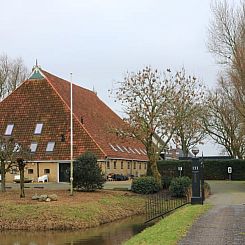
x=145 y=185
x=166 y=180
x=214 y=169
x=87 y=173
x=179 y=186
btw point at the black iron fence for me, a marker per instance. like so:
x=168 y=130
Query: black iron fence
x=159 y=204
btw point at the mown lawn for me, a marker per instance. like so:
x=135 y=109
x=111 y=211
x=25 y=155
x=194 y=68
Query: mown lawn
x=169 y=230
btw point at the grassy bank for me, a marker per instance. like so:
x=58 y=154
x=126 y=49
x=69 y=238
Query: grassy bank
x=169 y=230
x=83 y=210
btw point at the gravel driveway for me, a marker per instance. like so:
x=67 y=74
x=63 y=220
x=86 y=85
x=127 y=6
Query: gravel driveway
x=225 y=222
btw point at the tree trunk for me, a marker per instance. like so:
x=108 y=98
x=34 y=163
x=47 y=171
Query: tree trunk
x=185 y=151
x=3 y=189
x=153 y=170
x=22 y=189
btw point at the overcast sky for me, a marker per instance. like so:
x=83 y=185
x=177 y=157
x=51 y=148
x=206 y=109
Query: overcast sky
x=99 y=40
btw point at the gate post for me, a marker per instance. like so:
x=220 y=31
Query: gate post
x=196 y=179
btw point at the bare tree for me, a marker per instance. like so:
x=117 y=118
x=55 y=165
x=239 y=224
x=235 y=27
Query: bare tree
x=12 y=73
x=147 y=97
x=227 y=31
x=188 y=112
x=13 y=156
x=7 y=158
x=223 y=123
x=22 y=156
x=227 y=43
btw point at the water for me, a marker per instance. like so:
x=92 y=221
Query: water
x=109 y=234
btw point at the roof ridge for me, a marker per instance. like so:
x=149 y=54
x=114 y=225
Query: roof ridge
x=46 y=77
x=74 y=84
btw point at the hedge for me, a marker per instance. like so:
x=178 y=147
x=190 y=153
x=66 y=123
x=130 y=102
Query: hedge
x=213 y=169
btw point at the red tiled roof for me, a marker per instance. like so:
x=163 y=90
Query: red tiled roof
x=48 y=101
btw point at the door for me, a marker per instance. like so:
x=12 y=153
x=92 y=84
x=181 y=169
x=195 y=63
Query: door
x=64 y=172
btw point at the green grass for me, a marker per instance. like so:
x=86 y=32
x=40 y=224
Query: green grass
x=171 y=229
x=83 y=214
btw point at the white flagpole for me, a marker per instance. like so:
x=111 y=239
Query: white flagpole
x=71 y=167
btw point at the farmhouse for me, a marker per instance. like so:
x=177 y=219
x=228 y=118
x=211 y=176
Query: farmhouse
x=37 y=115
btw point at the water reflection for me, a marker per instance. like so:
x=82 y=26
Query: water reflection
x=109 y=234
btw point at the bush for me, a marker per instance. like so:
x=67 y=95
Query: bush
x=166 y=180
x=145 y=185
x=179 y=186
x=87 y=173
x=214 y=169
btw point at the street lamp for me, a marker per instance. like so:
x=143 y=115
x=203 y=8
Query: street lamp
x=195 y=151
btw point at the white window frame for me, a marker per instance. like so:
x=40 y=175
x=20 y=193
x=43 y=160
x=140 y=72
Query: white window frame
x=50 y=146
x=39 y=128
x=9 y=129
x=33 y=147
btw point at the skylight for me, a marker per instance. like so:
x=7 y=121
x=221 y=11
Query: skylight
x=113 y=148
x=119 y=147
x=50 y=146
x=9 y=129
x=137 y=151
x=131 y=150
x=126 y=149
x=38 y=129
x=142 y=151
x=33 y=147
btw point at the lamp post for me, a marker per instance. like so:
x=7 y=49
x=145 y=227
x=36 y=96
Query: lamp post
x=195 y=151
x=71 y=151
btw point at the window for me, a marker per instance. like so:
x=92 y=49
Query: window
x=143 y=151
x=9 y=129
x=46 y=171
x=134 y=165
x=30 y=171
x=113 y=148
x=128 y=165
x=145 y=165
x=121 y=164
x=108 y=165
x=38 y=129
x=13 y=170
x=33 y=147
x=125 y=148
x=137 y=151
x=140 y=165
x=50 y=146
x=115 y=164
x=131 y=149
x=120 y=149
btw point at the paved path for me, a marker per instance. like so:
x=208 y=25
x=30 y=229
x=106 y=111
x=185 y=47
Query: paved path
x=225 y=223
x=109 y=185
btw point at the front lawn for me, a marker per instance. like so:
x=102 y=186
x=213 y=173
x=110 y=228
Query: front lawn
x=171 y=229
x=83 y=210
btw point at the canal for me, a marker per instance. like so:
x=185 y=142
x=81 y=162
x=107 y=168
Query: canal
x=109 y=234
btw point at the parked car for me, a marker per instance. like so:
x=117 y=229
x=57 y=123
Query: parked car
x=119 y=177
x=109 y=177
